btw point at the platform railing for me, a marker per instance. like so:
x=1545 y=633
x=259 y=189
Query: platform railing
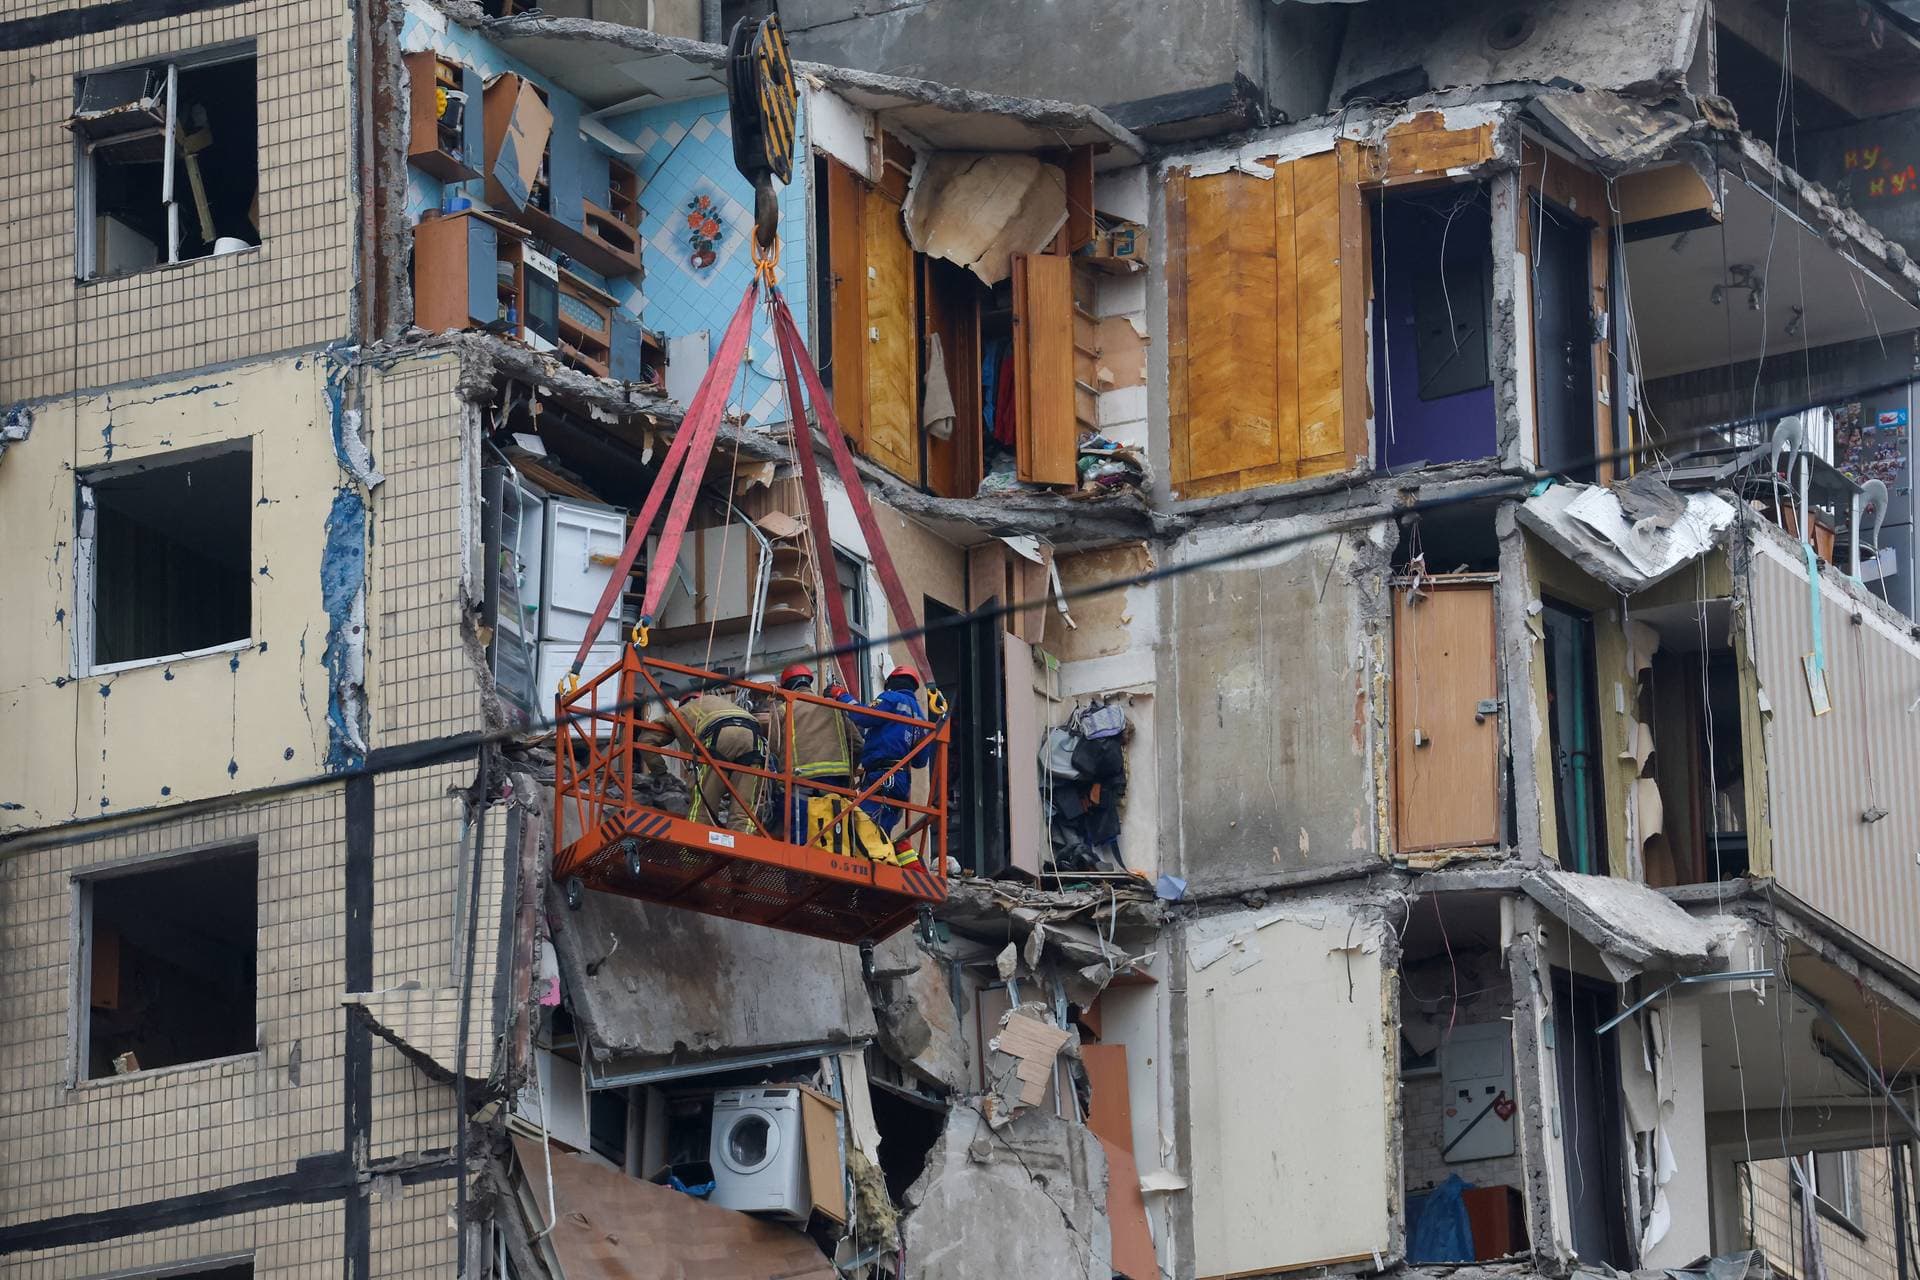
x=615 y=726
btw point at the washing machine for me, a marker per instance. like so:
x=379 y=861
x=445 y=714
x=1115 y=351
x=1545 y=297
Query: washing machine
x=759 y=1153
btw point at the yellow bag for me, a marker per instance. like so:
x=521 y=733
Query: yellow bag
x=857 y=834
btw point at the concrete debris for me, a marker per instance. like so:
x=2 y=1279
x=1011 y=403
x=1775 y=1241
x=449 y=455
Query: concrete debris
x=1027 y=1199
x=1613 y=133
x=654 y=987
x=16 y=426
x=979 y=210
x=1033 y=1043
x=1592 y=527
x=913 y=1008
x=1626 y=921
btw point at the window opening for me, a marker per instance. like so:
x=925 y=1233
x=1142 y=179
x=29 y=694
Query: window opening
x=1573 y=722
x=168 y=164
x=1563 y=336
x=164 y=559
x=1835 y=1178
x=170 y=951
x=1588 y=1070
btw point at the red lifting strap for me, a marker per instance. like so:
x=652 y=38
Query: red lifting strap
x=793 y=353
x=691 y=445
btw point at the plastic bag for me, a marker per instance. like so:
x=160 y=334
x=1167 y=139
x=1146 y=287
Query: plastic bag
x=1056 y=753
x=1443 y=1232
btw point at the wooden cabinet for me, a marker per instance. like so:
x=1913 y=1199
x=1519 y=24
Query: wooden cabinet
x=714 y=581
x=445 y=137
x=542 y=167
x=466 y=270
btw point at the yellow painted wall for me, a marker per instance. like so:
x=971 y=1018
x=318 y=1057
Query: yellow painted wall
x=213 y=725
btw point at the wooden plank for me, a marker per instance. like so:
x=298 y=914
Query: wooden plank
x=1180 y=461
x=847 y=263
x=819 y=1125
x=1317 y=240
x=1424 y=147
x=1446 y=792
x=952 y=310
x=1232 y=373
x=892 y=341
x=1046 y=440
x=1133 y=1255
x=1026 y=828
x=1356 y=292
x=1286 y=328
x=1079 y=170
x=1661 y=193
x=1110 y=1113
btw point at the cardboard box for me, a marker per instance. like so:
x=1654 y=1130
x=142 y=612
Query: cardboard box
x=1118 y=246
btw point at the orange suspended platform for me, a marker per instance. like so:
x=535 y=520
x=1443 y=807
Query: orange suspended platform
x=618 y=728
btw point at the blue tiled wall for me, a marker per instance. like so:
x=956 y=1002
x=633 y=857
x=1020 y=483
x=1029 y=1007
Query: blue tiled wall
x=688 y=150
x=689 y=154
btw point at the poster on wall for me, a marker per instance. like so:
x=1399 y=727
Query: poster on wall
x=1870 y=445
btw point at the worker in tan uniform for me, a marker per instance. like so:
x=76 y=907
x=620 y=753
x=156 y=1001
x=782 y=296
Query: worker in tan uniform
x=825 y=744
x=730 y=734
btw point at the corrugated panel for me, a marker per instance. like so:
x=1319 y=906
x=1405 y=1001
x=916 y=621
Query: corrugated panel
x=1862 y=875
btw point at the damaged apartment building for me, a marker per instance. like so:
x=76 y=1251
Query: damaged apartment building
x=1402 y=512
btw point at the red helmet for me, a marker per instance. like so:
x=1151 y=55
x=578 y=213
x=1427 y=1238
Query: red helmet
x=907 y=672
x=794 y=674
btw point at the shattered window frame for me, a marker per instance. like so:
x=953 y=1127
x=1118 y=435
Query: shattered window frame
x=89 y=145
x=1834 y=1179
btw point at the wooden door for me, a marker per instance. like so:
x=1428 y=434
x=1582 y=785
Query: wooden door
x=1046 y=439
x=952 y=306
x=1446 y=745
x=876 y=332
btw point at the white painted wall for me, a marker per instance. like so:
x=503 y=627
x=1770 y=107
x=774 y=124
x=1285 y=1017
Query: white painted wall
x=1291 y=1080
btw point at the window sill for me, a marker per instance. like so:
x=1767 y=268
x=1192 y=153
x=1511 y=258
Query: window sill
x=134 y=664
x=253 y=1059
x=159 y=267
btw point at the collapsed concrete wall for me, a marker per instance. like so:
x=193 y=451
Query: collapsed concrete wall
x=1026 y=1199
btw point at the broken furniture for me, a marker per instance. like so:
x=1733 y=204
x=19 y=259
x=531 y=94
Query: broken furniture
x=539 y=165
x=468 y=272
x=718 y=571
x=444 y=136
x=597 y=335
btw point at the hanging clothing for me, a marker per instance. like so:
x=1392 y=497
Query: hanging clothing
x=937 y=413
x=1003 y=391
x=990 y=358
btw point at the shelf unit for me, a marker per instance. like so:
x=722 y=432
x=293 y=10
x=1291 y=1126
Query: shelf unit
x=457 y=278
x=443 y=146
x=723 y=562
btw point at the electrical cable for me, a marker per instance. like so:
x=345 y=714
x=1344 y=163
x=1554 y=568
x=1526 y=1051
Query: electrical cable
x=460 y=746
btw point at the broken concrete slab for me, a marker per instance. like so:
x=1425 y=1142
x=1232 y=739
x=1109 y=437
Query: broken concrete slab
x=424 y=1025
x=1611 y=132
x=1594 y=527
x=653 y=988
x=1636 y=44
x=1626 y=920
x=918 y=1022
x=1029 y=1199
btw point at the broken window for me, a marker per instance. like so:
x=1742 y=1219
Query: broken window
x=1434 y=387
x=167 y=162
x=163 y=567
x=1458 y=1099
x=1835 y=1179
x=169 y=951
x=1690 y=703
x=1591 y=1129
x=1573 y=726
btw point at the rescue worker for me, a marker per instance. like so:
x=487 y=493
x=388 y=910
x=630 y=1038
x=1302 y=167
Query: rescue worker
x=888 y=742
x=825 y=745
x=730 y=734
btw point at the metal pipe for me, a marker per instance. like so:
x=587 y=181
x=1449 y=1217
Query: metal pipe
x=1740 y=975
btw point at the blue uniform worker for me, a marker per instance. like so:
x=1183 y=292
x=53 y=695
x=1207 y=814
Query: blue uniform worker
x=887 y=743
